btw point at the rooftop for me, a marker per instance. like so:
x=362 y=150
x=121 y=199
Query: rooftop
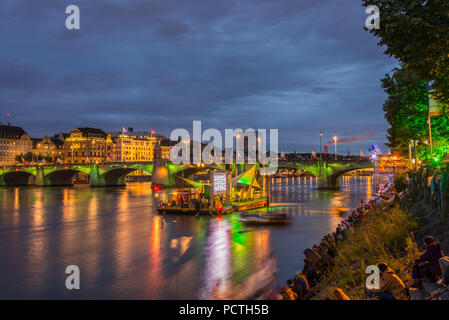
x=11 y=132
x=92 y=131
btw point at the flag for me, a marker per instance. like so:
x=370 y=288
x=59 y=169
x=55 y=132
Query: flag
x=435 y=109
x=313 y=154
x=152 y=132
x=361 y=153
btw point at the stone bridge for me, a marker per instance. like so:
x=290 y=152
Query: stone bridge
x=327 y=172
x=62 y=175
x=163 y=172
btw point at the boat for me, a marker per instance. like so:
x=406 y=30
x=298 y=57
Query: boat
x=264 y=218
x=339 y=211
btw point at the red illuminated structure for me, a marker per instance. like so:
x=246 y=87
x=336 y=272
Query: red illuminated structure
x=392 y=164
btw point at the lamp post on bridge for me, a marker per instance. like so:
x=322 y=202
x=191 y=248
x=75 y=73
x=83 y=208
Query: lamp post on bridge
x=321 y=154
x=335 y=141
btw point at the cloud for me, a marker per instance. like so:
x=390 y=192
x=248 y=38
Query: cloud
x=300 y=66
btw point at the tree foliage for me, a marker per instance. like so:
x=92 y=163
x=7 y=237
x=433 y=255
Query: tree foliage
x=417 y=33
x=29 y=157
x=406 y=111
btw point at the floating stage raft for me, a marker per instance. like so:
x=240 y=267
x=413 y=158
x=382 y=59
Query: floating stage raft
x=192 y=211
x=237 y=206
x=250 y=204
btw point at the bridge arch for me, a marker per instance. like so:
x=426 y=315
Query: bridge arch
x=334 y=178
x=312 y=168
x=328 y=174
x=62 y=177
x=116 y=177
x=16 y=178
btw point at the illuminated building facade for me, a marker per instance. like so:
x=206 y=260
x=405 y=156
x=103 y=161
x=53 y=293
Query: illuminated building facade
x=88 y=145
x=166 y=146
x=131 y=148
x=48 y=147
x=14 y=141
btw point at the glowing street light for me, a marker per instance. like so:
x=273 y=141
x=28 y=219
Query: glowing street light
x=321 y=157
x=335 y=141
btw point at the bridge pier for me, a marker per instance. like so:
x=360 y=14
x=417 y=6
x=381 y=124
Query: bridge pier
x=328 y=183
x=96 y=179
x=2 y=181
x=163 y=174
x=40 y=177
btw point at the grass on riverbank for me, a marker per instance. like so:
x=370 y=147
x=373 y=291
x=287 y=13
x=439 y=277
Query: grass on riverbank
x=383 y=236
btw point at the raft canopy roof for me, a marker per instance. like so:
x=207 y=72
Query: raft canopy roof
x=247 y=178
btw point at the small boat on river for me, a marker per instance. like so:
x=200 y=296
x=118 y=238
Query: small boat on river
x=264 y=218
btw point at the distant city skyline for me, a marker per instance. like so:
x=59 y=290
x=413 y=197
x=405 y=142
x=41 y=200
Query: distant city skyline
x=297 y=66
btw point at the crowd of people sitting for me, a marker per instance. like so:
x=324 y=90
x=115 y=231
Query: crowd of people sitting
x=319 y=259
x=431 y=266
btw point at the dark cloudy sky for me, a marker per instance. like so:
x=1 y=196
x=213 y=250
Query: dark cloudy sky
x=297 y=65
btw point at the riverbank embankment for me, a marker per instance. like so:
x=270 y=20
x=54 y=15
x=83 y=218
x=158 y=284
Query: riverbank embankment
x=393 y=234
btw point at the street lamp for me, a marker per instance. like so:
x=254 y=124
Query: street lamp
x=321 y=157
x=335 y=142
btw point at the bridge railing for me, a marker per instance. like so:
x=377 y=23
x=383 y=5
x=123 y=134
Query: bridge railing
x=307 y=161
x=63 y=165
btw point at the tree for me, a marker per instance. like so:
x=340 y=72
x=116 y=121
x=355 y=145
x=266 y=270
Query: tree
x=28 y=157
x=417 y=33
x=406 y=111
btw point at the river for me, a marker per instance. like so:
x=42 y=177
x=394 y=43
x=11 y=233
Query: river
x=125 y=250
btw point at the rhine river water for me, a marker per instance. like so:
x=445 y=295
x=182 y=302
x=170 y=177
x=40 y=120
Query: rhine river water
x=125 y=250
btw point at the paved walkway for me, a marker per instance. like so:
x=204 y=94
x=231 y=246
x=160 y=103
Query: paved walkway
x=430 y=291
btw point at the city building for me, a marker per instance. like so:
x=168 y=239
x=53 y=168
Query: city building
x=142 y=134
x=132 y=148
x=87 y=145
x=166 y=146
x=47 y=147
x=14 y=141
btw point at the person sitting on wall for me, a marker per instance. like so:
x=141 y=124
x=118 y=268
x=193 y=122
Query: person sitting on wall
x=444 y=266
x=288 y=294
x=432 y=256
x=391 y=286
x=301 y=285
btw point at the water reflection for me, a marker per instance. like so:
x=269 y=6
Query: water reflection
x=126 y=250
